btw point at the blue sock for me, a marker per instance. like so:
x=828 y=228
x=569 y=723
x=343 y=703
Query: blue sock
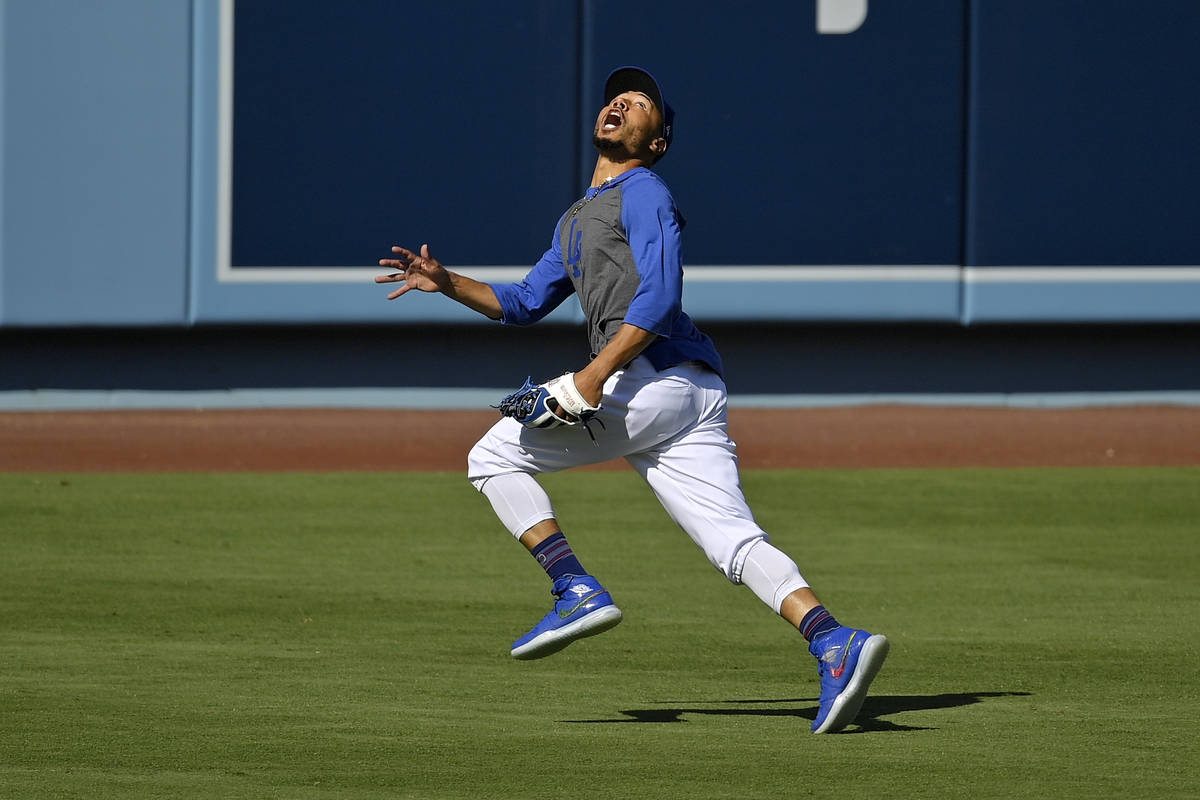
x=817 y=622
x=557 y=558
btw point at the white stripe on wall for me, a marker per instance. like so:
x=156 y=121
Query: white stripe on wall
x=1052 y=274
x=896 y=273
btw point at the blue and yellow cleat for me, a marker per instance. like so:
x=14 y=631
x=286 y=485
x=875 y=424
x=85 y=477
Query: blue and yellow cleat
x=582 y=608
x=848 y=660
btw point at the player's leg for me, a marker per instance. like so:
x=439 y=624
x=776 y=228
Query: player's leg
x=695 y=476
x=582 y=607
x=636 y=413
x=848 y=659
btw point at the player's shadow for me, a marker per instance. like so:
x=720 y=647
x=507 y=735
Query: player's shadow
x=868 y=720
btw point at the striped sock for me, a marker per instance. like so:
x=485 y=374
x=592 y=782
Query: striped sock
x=557 y=558
x=816 y=622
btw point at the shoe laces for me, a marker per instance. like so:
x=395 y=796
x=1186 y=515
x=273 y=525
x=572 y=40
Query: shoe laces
x=587 y=426
x=828 y=658
x=828 y=655
x=564 y=583
x=520 y=403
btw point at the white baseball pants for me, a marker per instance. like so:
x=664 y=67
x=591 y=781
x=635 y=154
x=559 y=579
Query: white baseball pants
x=671 y=427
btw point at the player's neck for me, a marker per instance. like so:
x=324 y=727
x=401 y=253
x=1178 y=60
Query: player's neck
x=606 y=170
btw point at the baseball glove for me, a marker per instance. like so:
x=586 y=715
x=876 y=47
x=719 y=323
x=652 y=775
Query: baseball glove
x=533 y=405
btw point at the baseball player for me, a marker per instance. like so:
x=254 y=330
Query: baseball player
x=651 y=393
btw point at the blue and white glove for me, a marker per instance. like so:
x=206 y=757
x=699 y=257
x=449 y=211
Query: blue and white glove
x=534 y=405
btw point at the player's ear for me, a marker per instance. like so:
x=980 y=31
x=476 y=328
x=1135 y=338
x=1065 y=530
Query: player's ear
x=658 y=147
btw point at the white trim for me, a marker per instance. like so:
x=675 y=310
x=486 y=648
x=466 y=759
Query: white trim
x=1059 y=274
x=351 y=274
x=225 y=272
x=889 y=273
x=737 y=273
x=698 y=274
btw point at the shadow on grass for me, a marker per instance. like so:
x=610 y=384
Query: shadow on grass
x=869 y=719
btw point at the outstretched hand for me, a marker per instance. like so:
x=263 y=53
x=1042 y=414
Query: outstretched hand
x=422 y=272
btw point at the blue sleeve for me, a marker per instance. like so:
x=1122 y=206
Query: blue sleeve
x=541 y=291
x=653 y=228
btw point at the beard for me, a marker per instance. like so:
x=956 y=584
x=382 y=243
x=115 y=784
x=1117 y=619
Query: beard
x=615 y=150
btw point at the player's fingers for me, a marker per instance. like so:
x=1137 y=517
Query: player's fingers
x=559 y=411
x=392 y=278
x=404 y=253
x=425 y=251
x=399 y=292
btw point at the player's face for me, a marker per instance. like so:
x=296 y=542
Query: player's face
x=630 y=123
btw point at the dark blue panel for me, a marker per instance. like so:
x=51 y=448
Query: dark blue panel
x=358 y=125
x=1084 y=122
x=799 y=148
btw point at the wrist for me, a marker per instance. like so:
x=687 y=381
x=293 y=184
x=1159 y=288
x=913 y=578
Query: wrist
x=590 y=383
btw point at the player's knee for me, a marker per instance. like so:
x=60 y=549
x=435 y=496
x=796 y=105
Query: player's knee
x=769 y=573
x=481 y=465
x=735 y=565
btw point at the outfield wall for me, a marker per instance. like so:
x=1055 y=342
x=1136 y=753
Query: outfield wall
x=175 y=162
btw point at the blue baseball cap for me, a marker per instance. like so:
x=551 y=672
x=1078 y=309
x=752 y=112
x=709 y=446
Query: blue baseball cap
x=636 y=79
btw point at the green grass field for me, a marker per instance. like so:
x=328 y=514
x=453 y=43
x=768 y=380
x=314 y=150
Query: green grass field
x=346 y=636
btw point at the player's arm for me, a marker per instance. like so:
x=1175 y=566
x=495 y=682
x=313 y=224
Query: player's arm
x=627 y=345
x=424 y=273
x=653 y=227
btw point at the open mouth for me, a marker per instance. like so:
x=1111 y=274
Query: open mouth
x=612 y=120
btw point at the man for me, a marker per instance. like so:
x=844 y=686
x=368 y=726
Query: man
x=656 y=381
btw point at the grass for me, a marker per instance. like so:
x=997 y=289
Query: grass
x=346 y=635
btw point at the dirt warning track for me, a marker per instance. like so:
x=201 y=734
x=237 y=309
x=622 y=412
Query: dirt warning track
x=336 y=440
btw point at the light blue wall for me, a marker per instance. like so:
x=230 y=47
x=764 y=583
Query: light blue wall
x=96 y=109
